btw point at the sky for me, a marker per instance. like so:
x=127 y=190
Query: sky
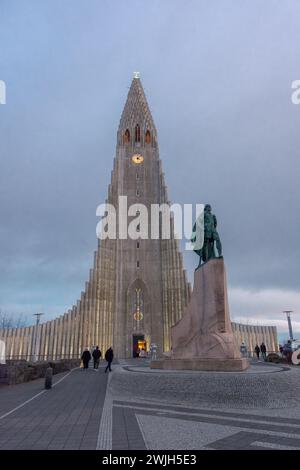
x=217 y=76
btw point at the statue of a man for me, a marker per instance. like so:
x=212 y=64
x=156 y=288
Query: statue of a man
x=211 y=237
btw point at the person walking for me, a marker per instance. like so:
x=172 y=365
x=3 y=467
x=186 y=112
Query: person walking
x=143 y=353
x=243 y=349
x=281 y=350
x=257 y=351
x=86 y=357
x=153 y=351
x=109 y=355
x=263 y=351
x=96 y=356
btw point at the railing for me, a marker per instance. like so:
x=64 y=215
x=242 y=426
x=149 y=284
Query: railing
x=42 y=358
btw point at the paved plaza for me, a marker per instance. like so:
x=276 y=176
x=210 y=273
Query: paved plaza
x=135 y=407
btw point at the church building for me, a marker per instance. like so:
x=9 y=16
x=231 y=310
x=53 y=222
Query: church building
x=137 y=288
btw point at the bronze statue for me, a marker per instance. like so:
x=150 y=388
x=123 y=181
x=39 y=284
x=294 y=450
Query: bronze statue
x=211 y=240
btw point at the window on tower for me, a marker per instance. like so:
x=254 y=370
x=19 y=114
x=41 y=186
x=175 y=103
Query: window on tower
x=126 y=137
x=148 y=137
x=138 y=308
x=137 y=133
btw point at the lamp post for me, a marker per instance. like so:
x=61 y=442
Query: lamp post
x=288 y=316
x=36 y=336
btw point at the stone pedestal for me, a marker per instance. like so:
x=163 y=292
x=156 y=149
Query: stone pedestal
x=203 y=338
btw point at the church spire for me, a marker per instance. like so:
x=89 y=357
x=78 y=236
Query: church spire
x=136 y=123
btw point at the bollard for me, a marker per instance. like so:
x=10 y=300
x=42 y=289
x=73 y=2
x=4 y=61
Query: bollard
x=48 y=378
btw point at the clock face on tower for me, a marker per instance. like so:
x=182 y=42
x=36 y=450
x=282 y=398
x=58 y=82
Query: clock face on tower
x=137 y=158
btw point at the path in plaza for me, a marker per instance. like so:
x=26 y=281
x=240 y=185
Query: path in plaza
x=137 y=408
x=65 y=417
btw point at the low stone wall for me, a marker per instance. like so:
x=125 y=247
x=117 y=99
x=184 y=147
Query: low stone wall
x=15 y=372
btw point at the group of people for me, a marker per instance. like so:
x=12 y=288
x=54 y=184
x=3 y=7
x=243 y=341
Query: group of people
x=143 y=353
x=109 y=355
x=262 y=349
x=288 y=349
x=96 y=354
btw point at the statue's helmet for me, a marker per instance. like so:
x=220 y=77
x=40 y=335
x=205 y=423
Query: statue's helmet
x=207 y=207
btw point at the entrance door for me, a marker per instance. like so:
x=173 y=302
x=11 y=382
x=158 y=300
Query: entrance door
x=138 y=344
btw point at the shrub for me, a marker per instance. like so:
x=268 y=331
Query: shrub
x=273 y=357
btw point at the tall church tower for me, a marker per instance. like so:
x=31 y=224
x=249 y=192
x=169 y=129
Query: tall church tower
x=150 y=287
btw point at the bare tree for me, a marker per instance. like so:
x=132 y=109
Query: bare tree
x=10 y=320
x=5 y=320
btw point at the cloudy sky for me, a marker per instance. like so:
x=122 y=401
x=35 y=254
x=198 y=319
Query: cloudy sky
x=217 y=75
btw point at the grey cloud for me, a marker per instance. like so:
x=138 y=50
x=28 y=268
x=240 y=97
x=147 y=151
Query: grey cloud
x=218 y=80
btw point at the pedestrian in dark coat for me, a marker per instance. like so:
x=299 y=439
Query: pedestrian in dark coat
x=263 y=350
x=257 y=351
x=86 y=357
x=109 y=355
x=96 y=357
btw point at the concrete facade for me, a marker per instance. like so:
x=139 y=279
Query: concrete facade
x=19 y=342
x=256 y=334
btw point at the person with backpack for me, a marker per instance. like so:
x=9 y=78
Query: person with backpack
x=96 y=356
x=263 y=350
